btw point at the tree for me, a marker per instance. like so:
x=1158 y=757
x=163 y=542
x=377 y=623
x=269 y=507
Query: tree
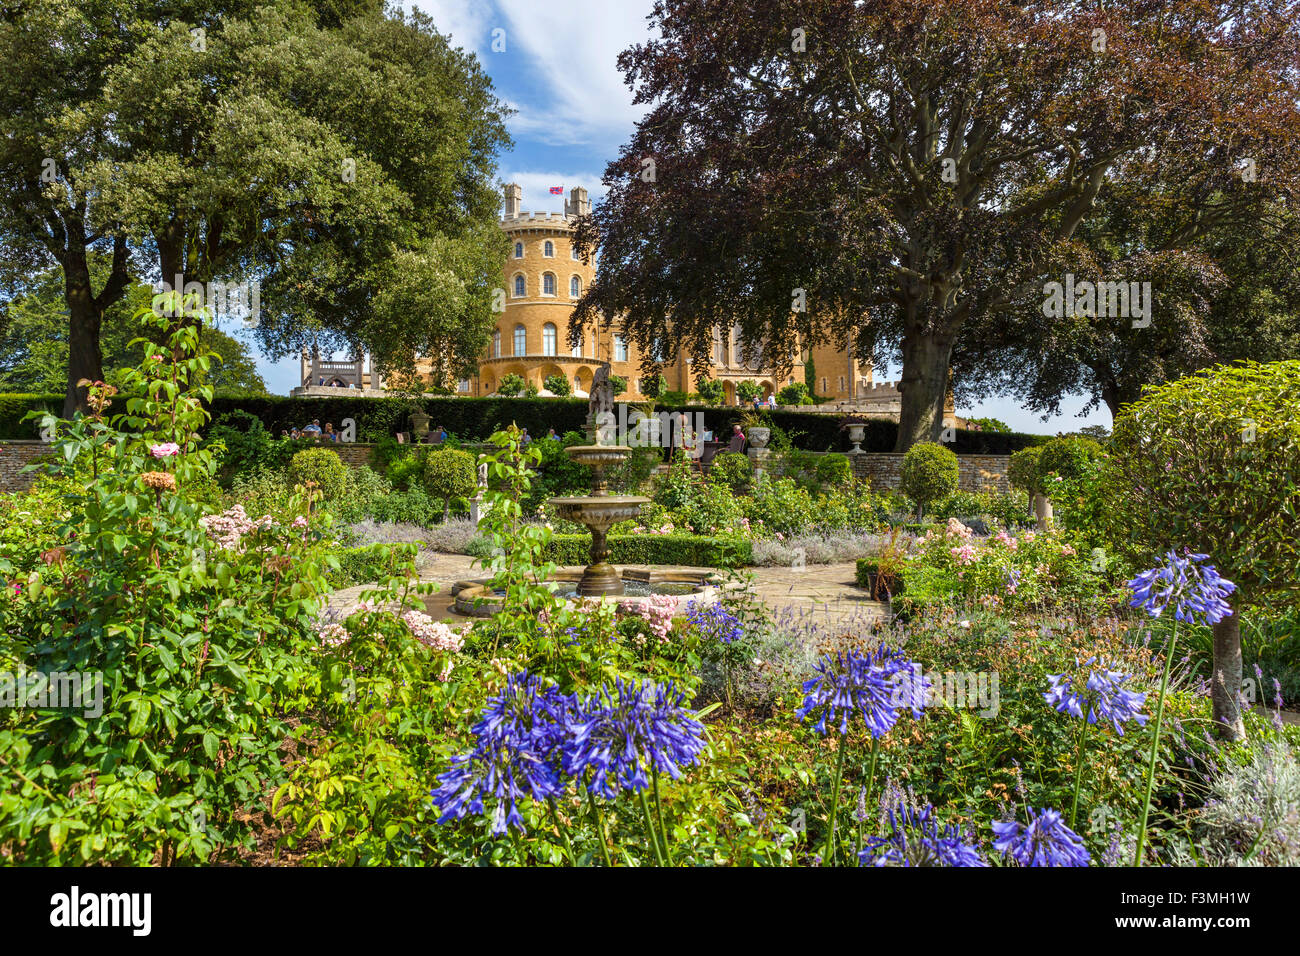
x=350 y=183
x=557 y=385
x=618 y=384
x=1211 y=463
x=796 y=394
x=711 y=391
x=510 y=385
x=449 y=474
x=905 y=173
x=930 y=473
x=34 y=344
x=748 y=390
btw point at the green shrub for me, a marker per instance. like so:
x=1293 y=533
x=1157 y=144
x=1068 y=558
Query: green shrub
x=375 y=562
x=510 y=385
x=779 y=506
x=449 y=474
x=1068 y=457
x=748 y=390
x=557 y=385
x=14 y=407
x=833 y=469
x=796 y=394
x=686 y=549
x=929 y=473
x=711 y=391
x=1212 y=463
x=731 y=469
x=1023 y=472
x=322 y=466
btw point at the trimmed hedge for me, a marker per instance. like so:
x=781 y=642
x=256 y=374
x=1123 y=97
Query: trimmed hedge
x=689 y=549
x=477 y=418
x=14 y=406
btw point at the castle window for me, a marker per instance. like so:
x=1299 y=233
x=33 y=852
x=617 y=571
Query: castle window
x=576 y=351
x=620 y=348
x=548 y=249
x=548 y=284
x=575 y=287
x=824 y=385
x=519 y=250
x=521 y=340
x=573 y=252
x=841 y=383
x=520 y=289
x=548 y=339
x=496 y=344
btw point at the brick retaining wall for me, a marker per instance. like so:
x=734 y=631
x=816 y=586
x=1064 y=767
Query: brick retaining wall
x=15 y=454
x=974 y=472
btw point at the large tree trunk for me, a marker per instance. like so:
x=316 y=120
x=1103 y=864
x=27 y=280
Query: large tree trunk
x=926 y=361
x=1225 y=688
x=85 y=358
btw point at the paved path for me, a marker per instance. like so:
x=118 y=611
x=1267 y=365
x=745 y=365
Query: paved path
x=823 y=593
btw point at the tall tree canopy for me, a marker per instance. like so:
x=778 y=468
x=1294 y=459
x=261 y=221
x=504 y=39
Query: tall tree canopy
x=906 y=173
x=321 y=150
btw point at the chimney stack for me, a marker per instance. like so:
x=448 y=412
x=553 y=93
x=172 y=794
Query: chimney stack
x=577 y=204
x=514 y=195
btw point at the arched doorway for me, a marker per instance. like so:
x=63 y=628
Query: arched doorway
x=729 y=393
x=582 y=380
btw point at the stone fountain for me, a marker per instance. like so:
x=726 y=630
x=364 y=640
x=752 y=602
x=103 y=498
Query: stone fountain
x=600 y=510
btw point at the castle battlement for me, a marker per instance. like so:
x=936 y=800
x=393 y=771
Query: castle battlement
x=558 y=217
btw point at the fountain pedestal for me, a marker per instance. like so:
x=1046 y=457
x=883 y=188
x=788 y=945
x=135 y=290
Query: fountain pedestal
x=599 y=514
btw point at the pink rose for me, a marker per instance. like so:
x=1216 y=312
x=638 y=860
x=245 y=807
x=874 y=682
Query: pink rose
x=166 y=450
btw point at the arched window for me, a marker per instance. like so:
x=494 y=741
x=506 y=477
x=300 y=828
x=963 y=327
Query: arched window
x=520 y=290
x=573 y=252
x=824 y=384
x=620 y=348
x=548 y=284
x=519 y=250
x=576 y=351
x=521 y=340
x=496 y=344
x=841 y=383
x=548 y=250
x=575 y=287
x=548 y=339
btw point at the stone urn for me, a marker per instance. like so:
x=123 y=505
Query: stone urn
x=856 y=434
x=419 y=424
x=759 y=437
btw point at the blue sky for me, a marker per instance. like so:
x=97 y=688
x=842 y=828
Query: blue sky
x=558 y=71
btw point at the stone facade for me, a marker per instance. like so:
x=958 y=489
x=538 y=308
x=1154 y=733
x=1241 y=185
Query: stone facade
x=974 y=472
x=14 y=456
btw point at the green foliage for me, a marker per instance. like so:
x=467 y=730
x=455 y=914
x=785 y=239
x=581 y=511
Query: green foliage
x=13 y=413
x=693 y=550
x=324 y=467
x=779 y=506
x=448 y=475
x=988 y=425
x=1023 y=470
x=1212 y=463
x=1068 y=458
x=747 y=391
x=929 y=473
x=731 y=469
x=511 y=385
x=557 y=385
x=618 y=384
x=795 y=394
x=833 y=469
x=711 y=391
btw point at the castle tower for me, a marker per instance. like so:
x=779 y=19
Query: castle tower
x=514 y=195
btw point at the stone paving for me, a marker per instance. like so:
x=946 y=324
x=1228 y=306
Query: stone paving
x=823 y=593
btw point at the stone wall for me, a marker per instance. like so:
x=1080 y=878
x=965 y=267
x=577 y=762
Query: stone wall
x=974 y=472
x=14 y=456
x=354 y=454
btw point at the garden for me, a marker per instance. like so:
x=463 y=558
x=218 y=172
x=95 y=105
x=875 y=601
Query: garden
x=1095 y=669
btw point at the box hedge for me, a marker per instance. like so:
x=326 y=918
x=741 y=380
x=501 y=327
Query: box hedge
x=697 y=551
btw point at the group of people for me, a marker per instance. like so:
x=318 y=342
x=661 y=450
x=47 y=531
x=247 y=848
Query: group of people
x=314 y=431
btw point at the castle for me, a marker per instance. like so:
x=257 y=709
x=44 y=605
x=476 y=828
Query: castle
x=543 y=280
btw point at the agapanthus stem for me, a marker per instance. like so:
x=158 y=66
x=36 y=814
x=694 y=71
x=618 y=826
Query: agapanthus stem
x=562 y=831
x=650 y=828
x=659 y=814
x=1078 y=773
x=866 y=794
x=835 y=806
x=600 y=826
x=1155 y=748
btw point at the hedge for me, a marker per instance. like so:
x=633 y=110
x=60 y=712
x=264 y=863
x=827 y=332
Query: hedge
x=477 y=418
x=693 y=550
x=14 y=406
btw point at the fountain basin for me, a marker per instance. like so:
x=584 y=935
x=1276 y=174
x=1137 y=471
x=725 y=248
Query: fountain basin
x=476 y=598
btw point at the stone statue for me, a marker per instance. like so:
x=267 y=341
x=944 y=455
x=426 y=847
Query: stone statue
x=600 y=408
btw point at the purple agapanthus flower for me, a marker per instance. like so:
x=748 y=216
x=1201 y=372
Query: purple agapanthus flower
x=714 y=622
x=517 y=752
x=1101 y=696
x=915 y=839
x=619 y=736
x=874 y=686
x=1197 y=592
x=1047 y=841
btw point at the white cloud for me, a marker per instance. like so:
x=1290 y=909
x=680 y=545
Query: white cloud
x=468 y=22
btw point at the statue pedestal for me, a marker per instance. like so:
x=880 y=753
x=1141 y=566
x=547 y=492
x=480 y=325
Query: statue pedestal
x=758 y=458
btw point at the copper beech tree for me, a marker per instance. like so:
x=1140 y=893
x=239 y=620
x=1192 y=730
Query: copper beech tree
x=901 y=175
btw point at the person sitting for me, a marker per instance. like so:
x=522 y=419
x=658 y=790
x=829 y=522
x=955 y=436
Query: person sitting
x=284 y=432
x=737 y=443
x=527 y=438
x=330 y=434
x=312 y=430
x=295 y=433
